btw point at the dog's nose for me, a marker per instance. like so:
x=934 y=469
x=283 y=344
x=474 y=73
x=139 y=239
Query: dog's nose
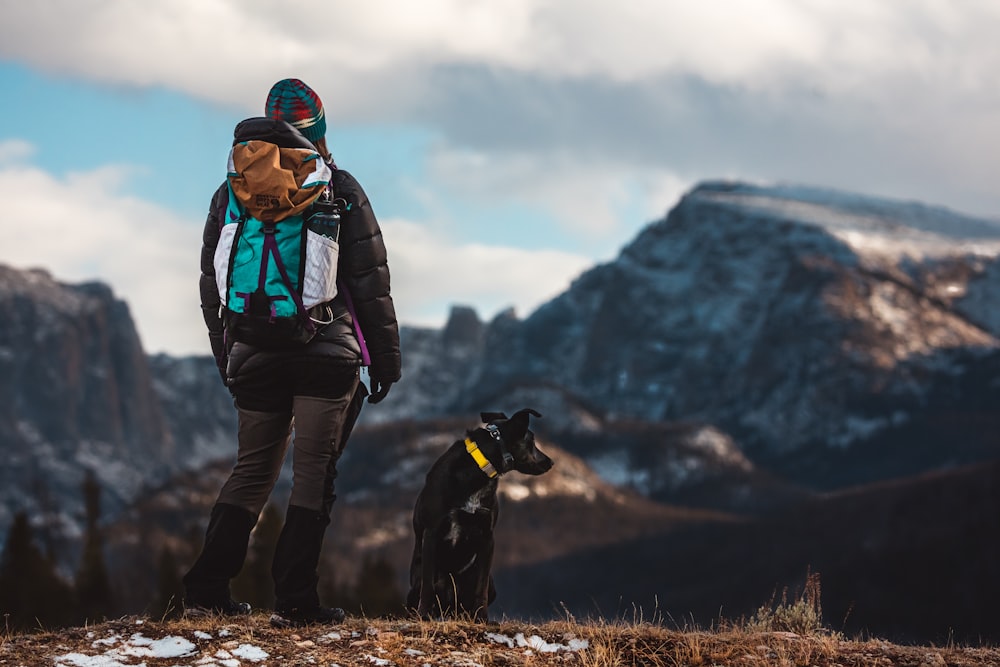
x=542 y=464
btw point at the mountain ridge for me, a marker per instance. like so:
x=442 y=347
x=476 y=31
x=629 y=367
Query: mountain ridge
x=773 y=330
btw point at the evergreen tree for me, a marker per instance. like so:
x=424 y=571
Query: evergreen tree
x=93 y=586
x=333 y=593
x=376 y=591
x=254 y=584
x=31 y=593
x=169 y=589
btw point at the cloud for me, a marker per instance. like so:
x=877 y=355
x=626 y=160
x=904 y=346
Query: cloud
x=896 y=97
x=214 y=48
x=594 y=202
x=430 y=273
x=15 y=151
x=84 y=228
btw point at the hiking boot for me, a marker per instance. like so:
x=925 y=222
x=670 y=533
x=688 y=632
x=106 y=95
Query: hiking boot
x=296 y=618
x=228 y=608
x=206 y=584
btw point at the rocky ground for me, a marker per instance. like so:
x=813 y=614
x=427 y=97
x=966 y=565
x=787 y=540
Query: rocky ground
x=224 y=642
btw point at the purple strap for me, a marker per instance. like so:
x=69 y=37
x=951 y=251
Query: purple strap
x=271 y=248
x=366 y=358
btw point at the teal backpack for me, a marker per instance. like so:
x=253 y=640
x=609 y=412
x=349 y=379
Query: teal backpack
x=276 y=261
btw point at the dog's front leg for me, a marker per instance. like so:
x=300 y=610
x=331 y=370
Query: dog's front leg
x=416 y=573
x=481 y=592
x=428 y=562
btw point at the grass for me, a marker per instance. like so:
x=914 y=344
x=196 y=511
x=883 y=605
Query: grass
x=360 y=641
x=783 y=633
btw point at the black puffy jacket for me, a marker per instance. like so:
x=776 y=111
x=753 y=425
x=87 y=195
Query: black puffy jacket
x=363 y=269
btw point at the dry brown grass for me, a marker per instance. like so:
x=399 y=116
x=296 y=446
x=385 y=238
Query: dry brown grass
x=361 y=641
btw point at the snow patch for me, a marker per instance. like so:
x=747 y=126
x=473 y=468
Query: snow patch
x=870 y=226
x=122 y=652
x=250 y=652
x=536 y=643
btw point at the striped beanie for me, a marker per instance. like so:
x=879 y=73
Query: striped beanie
x=297 y=104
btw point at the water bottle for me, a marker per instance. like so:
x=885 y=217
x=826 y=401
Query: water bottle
x=324 y=217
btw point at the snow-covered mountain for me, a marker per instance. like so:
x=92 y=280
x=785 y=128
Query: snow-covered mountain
x=78 y=394
x=795 y=320
x=773 y=313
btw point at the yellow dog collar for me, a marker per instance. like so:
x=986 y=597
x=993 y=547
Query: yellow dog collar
x=480 y=459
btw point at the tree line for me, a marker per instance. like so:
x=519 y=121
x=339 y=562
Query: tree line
x=35 y=596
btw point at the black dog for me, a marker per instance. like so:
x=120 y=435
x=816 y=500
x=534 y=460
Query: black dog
x=456 y=512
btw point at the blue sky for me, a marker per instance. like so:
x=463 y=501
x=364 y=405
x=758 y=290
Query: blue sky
x=506 y=148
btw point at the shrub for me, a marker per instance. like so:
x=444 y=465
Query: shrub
x=803 y=616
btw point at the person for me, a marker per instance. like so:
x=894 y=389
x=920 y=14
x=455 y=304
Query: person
x=316 y=386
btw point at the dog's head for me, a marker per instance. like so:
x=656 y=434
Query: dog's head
x=518 y=440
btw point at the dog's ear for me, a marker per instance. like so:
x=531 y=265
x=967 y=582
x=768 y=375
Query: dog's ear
x=517 y=426
x=488 y=417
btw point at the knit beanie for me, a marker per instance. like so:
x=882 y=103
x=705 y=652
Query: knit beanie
x=297 y=104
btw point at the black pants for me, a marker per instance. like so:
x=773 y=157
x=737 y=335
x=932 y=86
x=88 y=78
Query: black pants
x=320 y=400
x=276 y=396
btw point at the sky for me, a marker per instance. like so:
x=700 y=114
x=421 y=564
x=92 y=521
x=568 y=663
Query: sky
x=506 y=147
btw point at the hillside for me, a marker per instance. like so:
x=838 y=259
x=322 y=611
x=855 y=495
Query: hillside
x=909 y=561
x=381 y=473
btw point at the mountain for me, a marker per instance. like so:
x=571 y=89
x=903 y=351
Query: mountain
x=804 y=324
x=755 y=345
x=911 y=560
x=77 y=395
x=80 y=394
x=199 y=411
x=764 y=380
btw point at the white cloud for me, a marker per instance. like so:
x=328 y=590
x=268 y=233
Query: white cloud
x=901 y=91
x=83 y=228
x=226 y=50
x=80 y=227
x=915 y=78
x=430 y=273
x=15 y=151
x=603 y=200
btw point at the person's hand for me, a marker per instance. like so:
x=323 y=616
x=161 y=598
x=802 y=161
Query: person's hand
x=379 y=389
x=221 y=362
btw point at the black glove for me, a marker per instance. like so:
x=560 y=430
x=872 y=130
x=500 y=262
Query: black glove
x=221 y=362
x=379 y=389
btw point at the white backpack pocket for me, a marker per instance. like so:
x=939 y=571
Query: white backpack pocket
x=319 y=282
x=223 y=254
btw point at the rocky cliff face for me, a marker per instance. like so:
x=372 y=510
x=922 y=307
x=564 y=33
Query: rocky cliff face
x=198 y=409
x=789 y=318
x=80 y=394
